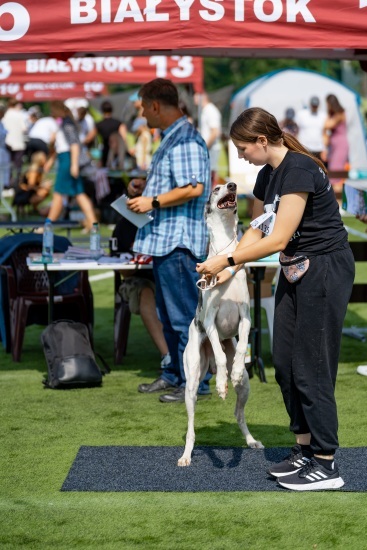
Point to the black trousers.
(308, 325)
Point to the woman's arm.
(74, 159)
(333, 121)
(252, 247)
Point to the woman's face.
(252, 152)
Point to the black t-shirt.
(321, 229)
(107, 126)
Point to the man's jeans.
(177, 297)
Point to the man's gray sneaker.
(157, 385)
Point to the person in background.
(177, 189)
(33, 114)
(288, 124)
(40, 135)
(143, 144)
(117, 159)
(86, 126)
(33, 189)
(313, 291)
(4, 153)
(68, 182)
(310, 122)
(336, 141)
(108, 126)
(210, 127)
(138, 288)
(15, 125)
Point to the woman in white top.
(68, 181)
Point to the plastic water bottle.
(358, 174)
(48, 242)
(95, 238)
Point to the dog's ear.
(207, 208)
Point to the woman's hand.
(223, 276)
(213, 265)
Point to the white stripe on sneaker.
(316, 475)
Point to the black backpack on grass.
(70, 358)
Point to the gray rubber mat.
(114, 469)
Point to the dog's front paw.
(184, 461)
(222, 390)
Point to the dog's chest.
(226, 303)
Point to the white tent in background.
(275, 92)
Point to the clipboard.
(139, 220)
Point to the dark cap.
(314, 101)
(290, 113)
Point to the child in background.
(33, 189)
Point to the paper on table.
(137, 219)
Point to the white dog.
(223, 312)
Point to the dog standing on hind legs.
(223, 312)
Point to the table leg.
(258, 276)
(51, 294)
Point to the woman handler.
(296, 210)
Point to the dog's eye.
(216, 190)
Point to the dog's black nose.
(231, 186)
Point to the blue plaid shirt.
(181, 159)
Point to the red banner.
(111, 69)
(45, 91)
(146, 26)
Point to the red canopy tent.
(46, 91)
(107, 69)
(263, 28)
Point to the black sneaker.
(291, 464)
(313, 477)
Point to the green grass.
(42, 430)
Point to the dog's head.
(223, 199)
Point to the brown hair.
(38, 157)
(333, 105)
(255, 122)
(59, 109)
(162, 90)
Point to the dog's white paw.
(184, 461)
(255, 445)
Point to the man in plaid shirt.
(176, 190)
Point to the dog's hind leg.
(193, 364)
(240, 378)
(242, 391)
(219, 354)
